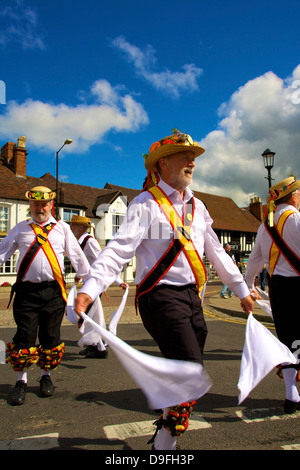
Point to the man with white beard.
(168, 230)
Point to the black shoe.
(83, 351)
(290, 407)
(46, 386)
(19, 392)
(94, 353)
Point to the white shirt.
(62, 240)
(146, 233)
(260, 253)
(92, 250)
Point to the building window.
(67, 214)
(4, 219)
(117, 220)
(9, 267)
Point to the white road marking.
(291, 447)
(264, 414)
(41, 442)
(146, 428)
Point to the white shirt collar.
(50, 220)
(80, 239)
(168, 190)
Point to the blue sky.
(117, 76)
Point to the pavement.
(213, 303)
(231, 306)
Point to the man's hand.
(82, 302)
(247, 304)
(123, 285)
(255, 295)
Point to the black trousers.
(38, 310)
(173, 316)
(284, 299)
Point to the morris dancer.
(168, 230)
(40, 294)
(278, 247)
(81, 227)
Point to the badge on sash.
(41, 239)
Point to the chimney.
(20, 156)
(256, 208)
(15, 156)
(7, 152)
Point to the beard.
(182, 180)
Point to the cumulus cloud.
(172, 83)
(263, 113)
(46, 125)
(19, 25)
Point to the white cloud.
(263, 113)
(172, 83)
(19, 25)
(46, 125)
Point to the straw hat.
(177, 142)
(277, 192)
(283, 188)
(80, 220)
(40, 193)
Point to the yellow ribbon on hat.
(271, 210)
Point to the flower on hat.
(178, 137)
(154, 146)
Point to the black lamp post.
(67, 142)
(268, 157)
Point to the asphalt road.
(97, 406)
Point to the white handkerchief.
(262, 352)
(165, 382)
(264, 295)
(116, 315)
(70, 314)
(264, 303)
(89, 335)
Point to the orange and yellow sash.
(182, 242)
(274, 250)
(42, 238)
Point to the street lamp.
(268, 157)
(67, 142)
